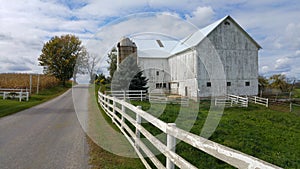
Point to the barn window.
(158, 85)
(164, 85)
(227, 23)
(208, 84)
(247, 83)
(228, 83)
(161, 85)
(157, 73)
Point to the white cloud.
(202, 16)
(282, 63)
(26, 25)
(265, 69)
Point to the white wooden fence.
(232, 100)
(116, 109)
(15, 93)
(259, 100)
(129, 94)
(162, 98)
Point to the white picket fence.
(15, 93)
(129, 94)
(116, 109)
(259, 100)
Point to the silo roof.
(126, 42)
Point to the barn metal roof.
(153, 48)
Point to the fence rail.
(116, 109)
(129, 94)
(232, 100)
(259, 100)
(162, 98)
(14, 93)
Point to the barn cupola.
(126, 47)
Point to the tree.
(263, 83)
(138, 82)
(112, 61)
(59, 56)
(279, 81)
(81, 65)
(101, 79)
(129, 76)
(92, 61)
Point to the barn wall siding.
(151, 66)
(239, 58)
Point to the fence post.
(255, 99)
(27, 96)
(141, 95)
(171, 146)
(267, 105)
(137, 132)
(124, 95)
(114, 110)
(20, 95)
(122, 117)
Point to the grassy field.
(296, 93)
(270, 135)
(10, 106)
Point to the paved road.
(46, 136)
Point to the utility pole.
(30, 83)
(38, 84)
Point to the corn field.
(22, 81)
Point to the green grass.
(272, 136)
(11, 106)
(296, 93)
(102, 159)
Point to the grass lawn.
(296, 93)
(11, 106)
(272, 136)
(100, 158)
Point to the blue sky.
(26, 25)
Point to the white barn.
(190, 67)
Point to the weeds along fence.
(118, 110)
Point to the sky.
(25, 25)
